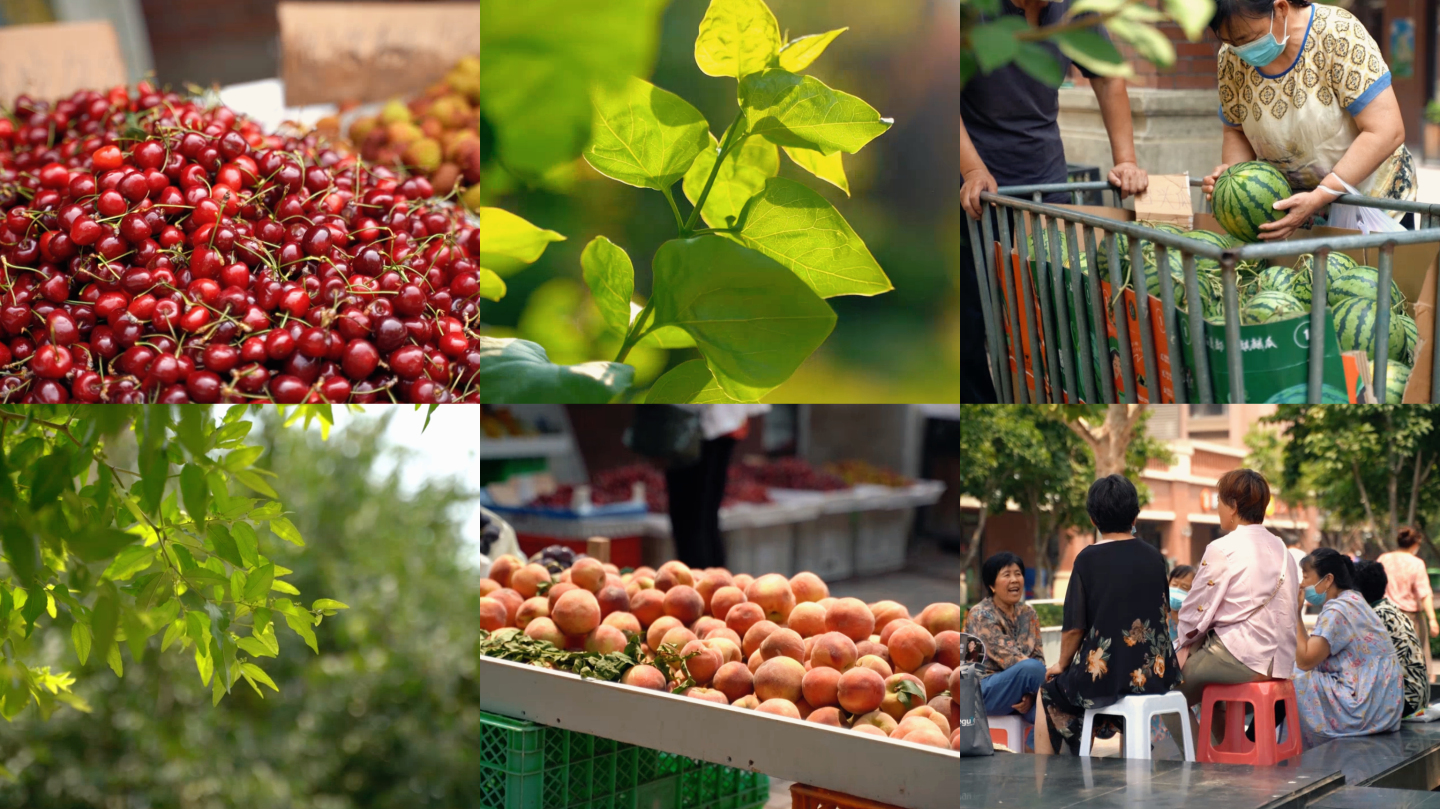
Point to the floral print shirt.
(1007, 641)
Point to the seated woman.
(1236, 624)
(1114, 642)
(1014, 664)
(1181, 578)
(1371, 581)
(1348, 683)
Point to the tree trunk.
(1110, 441)
(1364, 495)
(976, 537)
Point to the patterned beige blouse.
(1302, 120)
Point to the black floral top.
(1007, 641)
(1120, 598)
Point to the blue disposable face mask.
(1177, 597)
(1264, 50)
(1314, 597)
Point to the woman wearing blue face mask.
(1348, 682)
(1305, 88)
(1181, 578)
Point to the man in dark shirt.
(1009, 136)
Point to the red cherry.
(86, 231)
(51, 362)
(148, 155)
(111, 203)
(279, 345)
(107, 157)
(221, 358)
(61, 328)
(360, 359)
(288, 389)
(314, 342)
(408, 362)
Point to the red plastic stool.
(1235, 748)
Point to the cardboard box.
(333, 52)
(53, 60)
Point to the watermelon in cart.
(1244, 198)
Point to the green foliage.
(1049, 614)
(384, 717)
(92, 543)
(748, 290)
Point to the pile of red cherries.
(155, 249)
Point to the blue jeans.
(1003, 689)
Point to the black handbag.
(666, 433)
(974, 725)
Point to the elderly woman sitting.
(1371, 581)
(1014, 664)
(1348, 682)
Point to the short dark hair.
(1330, 562)
(1247, 491)
(1180, 572)
(1409, 536)
(1113, 504)
(1370, 580)
(1250, 9)
(990, 571)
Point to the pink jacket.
(1232, 594)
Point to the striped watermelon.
(1285, 279)
(1063, 242)
(1265, 307)
(1102, 256)
(1355, 329)
(1299, 394)
(1361, 282)
(1244, 198)
(1396, 375)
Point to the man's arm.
(974, 176)
(1114, 102)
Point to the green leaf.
(246, 542)
(508, 242)
(104, 486)
(282, 586)
(254, 481)
(688, 382)
(1191, 15)
(152, 482)
(254, 672)
(174, 632)
(104, 619)
(1040, 64)
(81, 637)
(802, 230)
(671, 337)
(254, 647)
(800, 52)
(242, 457)
(611, 278)
(287, 531)
(737, 38)
(191, 431)
(302, 627)
(1093, 52)
(230, 435)
(224, 544)
(791, 110)
(194, 491)
(1144, 37)
(97, 543)
(741, 177)
(328, 604)
(644, 136)
(516, 371)
(995, 43)
(130, 561)
(830, 168)
(492, 286)
(1096, 6)
(22, 550)
(753, 320)
(541, 57)
(257, 584)
(52, 476)
(113, 658)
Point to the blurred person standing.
(1409, 586)
(697, 490)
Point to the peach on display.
(940, 617)
(743, 616)
(553, 594)
(851, 618)
(488, 586)
(936, 677)
(684, 603)
(707, 694)
(911, 647)
(903, 692)
(612, 599)
(492, 614)
(742, 580)
(526, 580)
(533, 608)
(870, 647)
(821, 687)
(673, 573)
(877, 719)
(941, 706)
(711, 582)
(754, 661)
(504, 567)
(623, 621)
(875, 664)
(706, 625)
(749, 702)
(860, 690)
(891, 627)
(871, 730)
(833, 650)
(734, 680)
(808, 587)
(779, 677)
(648, 606)
(947, 649)
(605, 639)
(644, 677)
(783, 642)
(772, 592)
(728, 649)
(925, 712)
(808, 619)
(677, 637)
(723, 599)
(925, 734)
(658, 629)
(825, 716)
(512, 601)
(779, 707)
(545, 629)
(887, 611)
(704, 664)
(756, 635)
(576, 612)
(804, 708)
(588, 573)
(725, 632)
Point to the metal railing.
(1074, 377)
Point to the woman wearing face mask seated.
(1371, 580)
(1181, 578)
(1348, 679)
(1014, 664)
(1304, 87)
(1236, 623)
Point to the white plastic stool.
(1137, 711)
(1013, 726)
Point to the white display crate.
(825, 546)
(880, 540)
(760, 550)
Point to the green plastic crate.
(528, 766)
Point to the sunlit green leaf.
(287, 531)
(194, 491)
(130, 561)
(688, 382)
(737, 38)
(792, 110)
(798, 53)
(97, 543)
(514, 371)
(302, 627)
(80, 636)
(830, 168)
(257, 585)
(741, 177)
(328, 604)
(611, 278)
(644, 136)
(104, 620)
(254, 482)
(52, 475)
(246, 542)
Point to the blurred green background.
(902, 346)
(386, 716)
